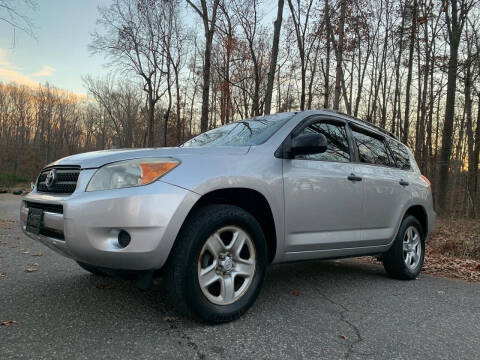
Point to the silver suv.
(211, 214)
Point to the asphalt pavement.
(52, 309)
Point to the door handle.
(354, 177)
(404, 183)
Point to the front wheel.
(404, 259)
(217, 266)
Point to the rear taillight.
(424, 178)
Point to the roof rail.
(363, 122)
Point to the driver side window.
(337, 142)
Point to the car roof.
(361, 122)
(349, 118)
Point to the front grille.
(46, 226)
(65, 179)
(54, 208)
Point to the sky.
(59, 52)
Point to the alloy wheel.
(412, 247)
(226, 265)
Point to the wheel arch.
(250, 200)
(419, 212)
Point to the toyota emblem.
(50, 179)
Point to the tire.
(404, 259)
(197, 253)
(92, 269)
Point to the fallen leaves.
(7, 224)
(453, 250)
(343, 337)
(8, 322)
(3, 275)
(37, 254)
(447, 266)
(169, 319)
(32, 268)
(458, 238)
(294, 292)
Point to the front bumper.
(84, 226)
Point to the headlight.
(130, 173)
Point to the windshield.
(248, 132)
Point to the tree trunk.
(406, 126)
(469, 129)
(447, 136)
(277, 25)
(256, 92)
(476, 151)
(326, 100)
(151, 121)
(397, 95)
(206, 81)
(339, 56)
(455, 22)
(177, 115)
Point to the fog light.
(123, 238)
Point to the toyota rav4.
(211, 214)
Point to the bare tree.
(301, 18)
(176, 40)
(132, 39)
(209, 21)
(227, 47)
(338, 46)
(456, 12)
(121, 102)
(248, 18)
(11, 12)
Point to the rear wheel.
(217, 266)
(404, 259)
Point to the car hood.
(96, 159)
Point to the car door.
(385, 197)
(322, 206)
(406, 167)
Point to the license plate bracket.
(34, 220)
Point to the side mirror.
(309, 144)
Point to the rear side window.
(337, 143)
(371, 150)
(400, 153)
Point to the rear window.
(400, 153)
(371, 150)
